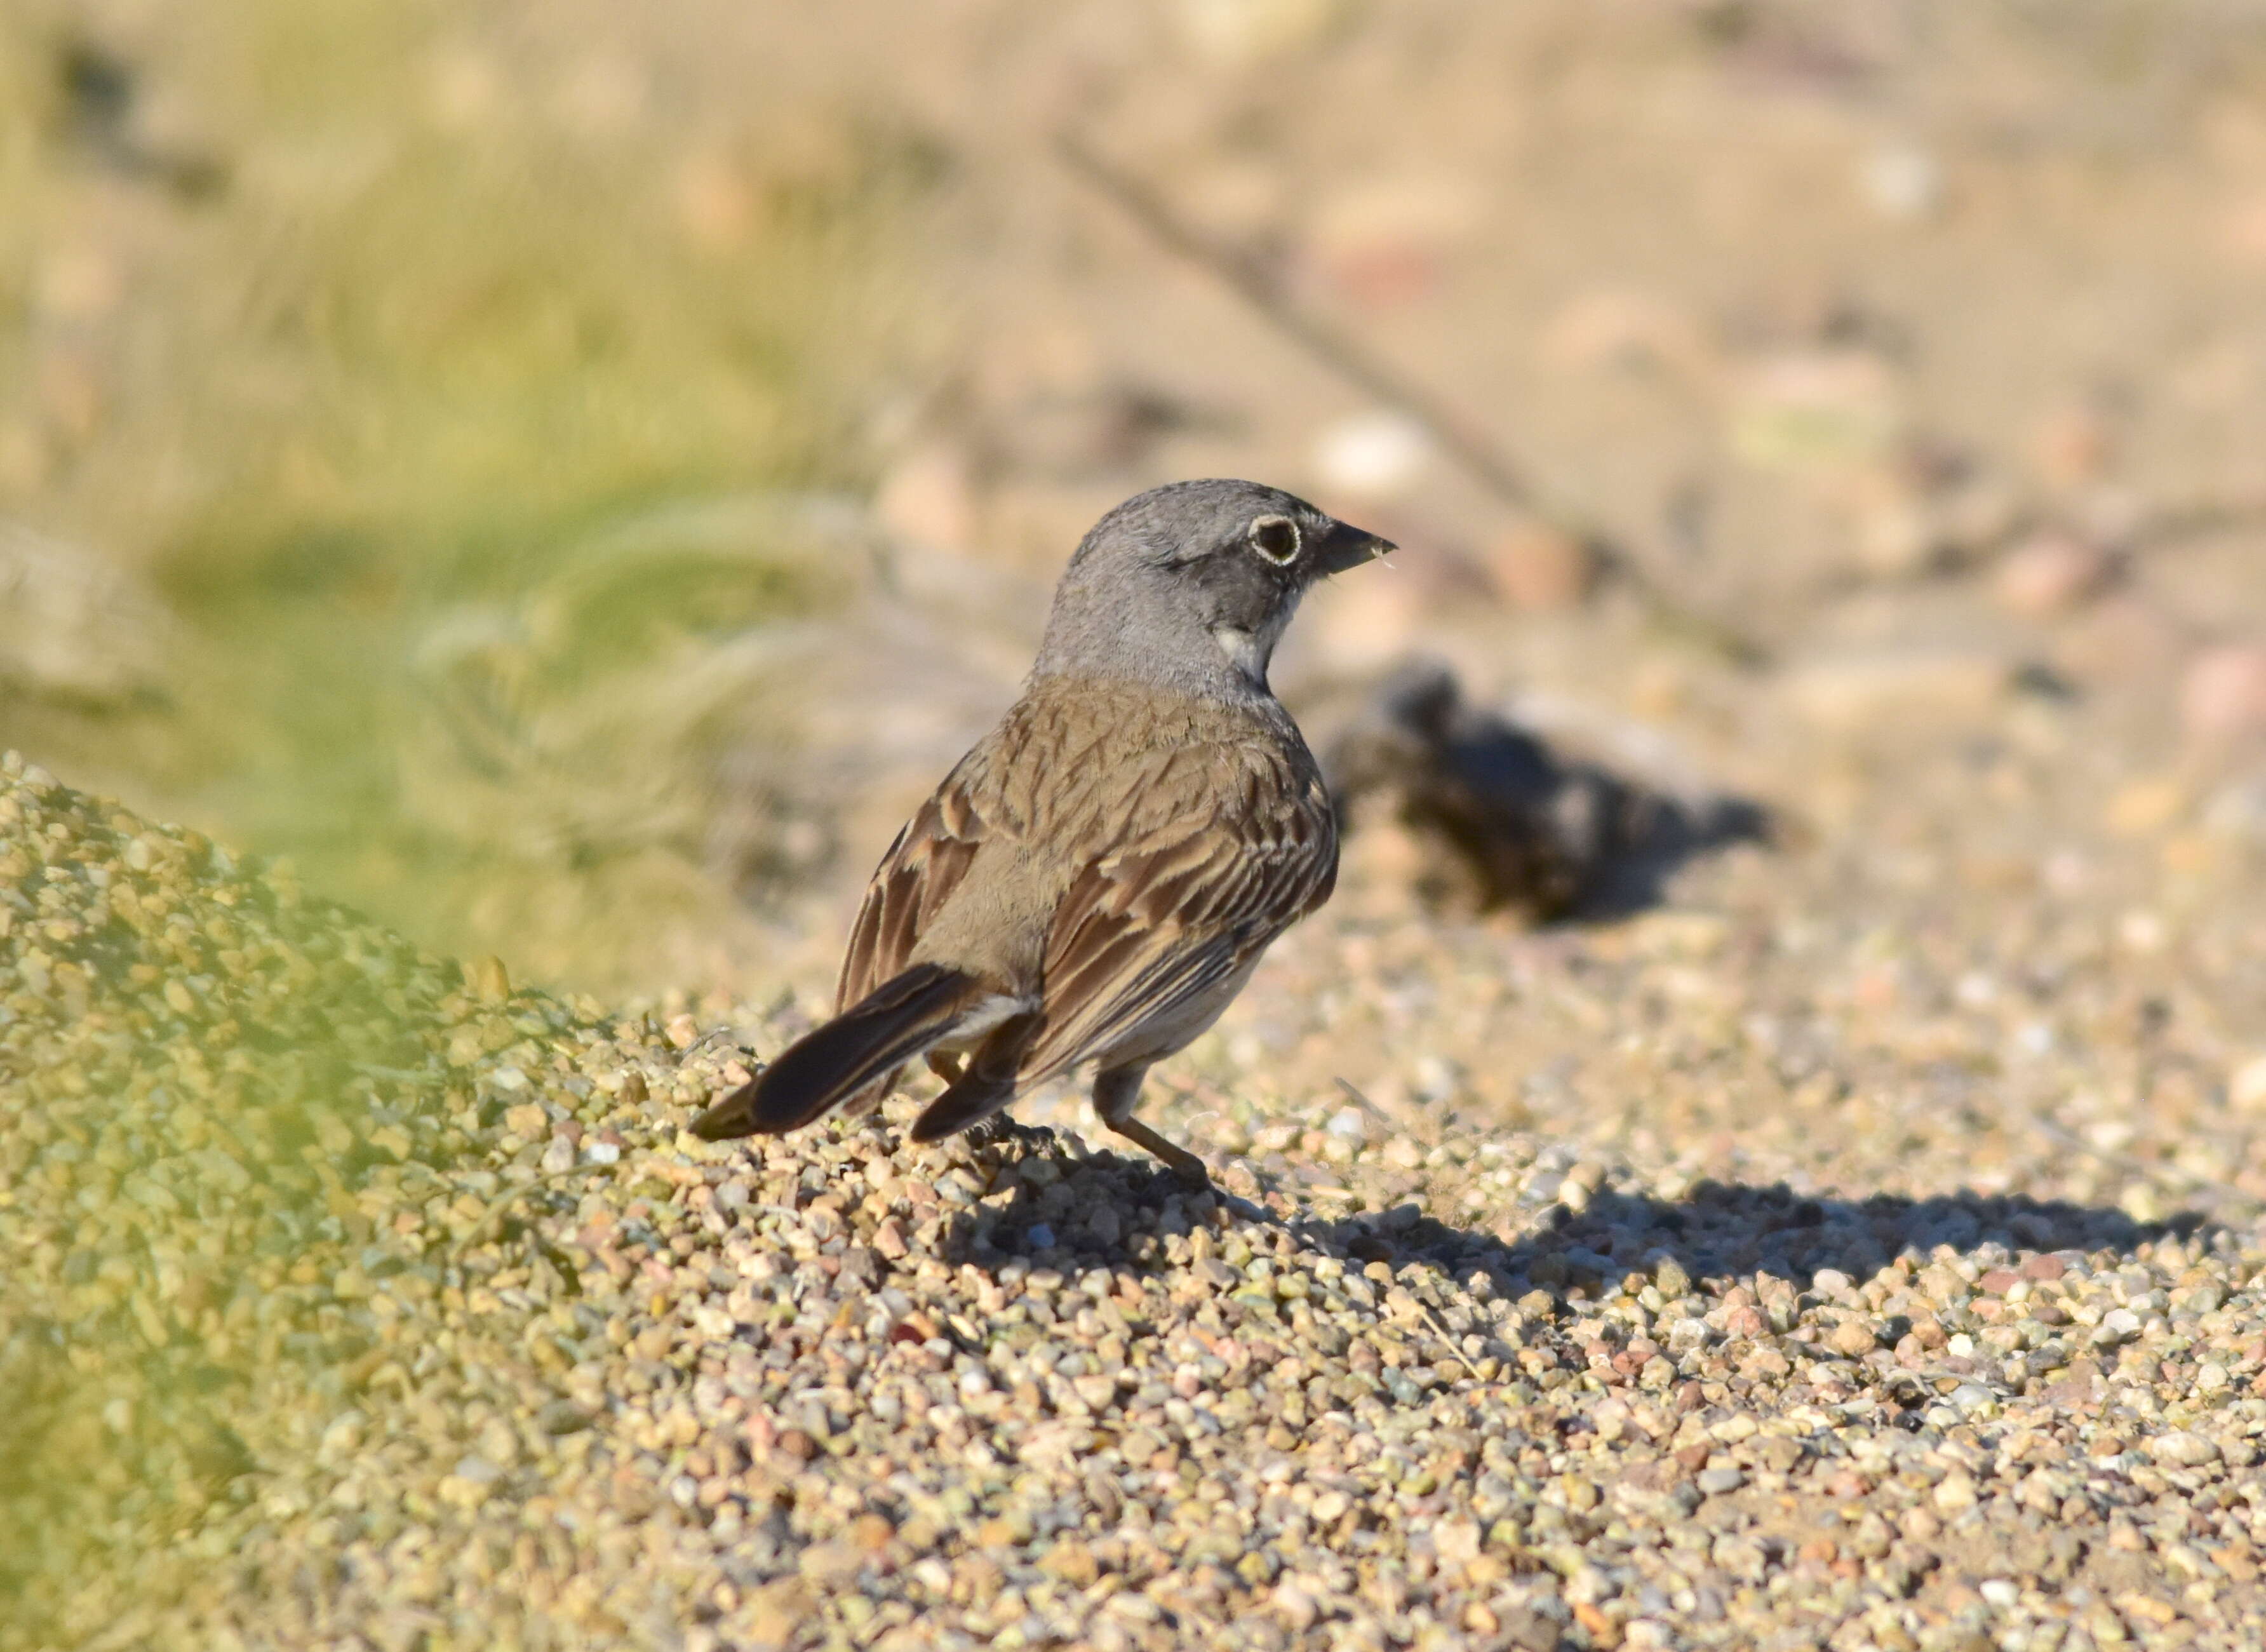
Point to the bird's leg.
(1182, 1163)
(998, 1127)
(1116, 1089)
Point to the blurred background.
(570, 476)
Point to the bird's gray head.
(1190, 586)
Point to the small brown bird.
(1094, 881)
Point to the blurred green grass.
(224, 1108)
(336, 320)
(346, 329)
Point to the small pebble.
(2246, 1089)
(1374, 455)
(1902, 180)
(1538, 566)
(2223, 694)
(2050, 573)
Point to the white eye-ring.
(1275, 539)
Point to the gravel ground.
(1849, 1239)
(359, 1299)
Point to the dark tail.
(897, 1021)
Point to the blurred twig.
(1414, 1124)
(2165, 1175)
(1253, 281)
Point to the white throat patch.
(1247, 651)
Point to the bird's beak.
(1346, 547)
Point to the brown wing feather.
(922, 868)
(1181, 904)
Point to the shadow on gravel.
(1112, 1212)
(1723, 1232)
(1508, 821)
(1659, 836)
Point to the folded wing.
(931, 856)
(1183, 901)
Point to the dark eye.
(1275, 539)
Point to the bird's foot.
(1000, 1128)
